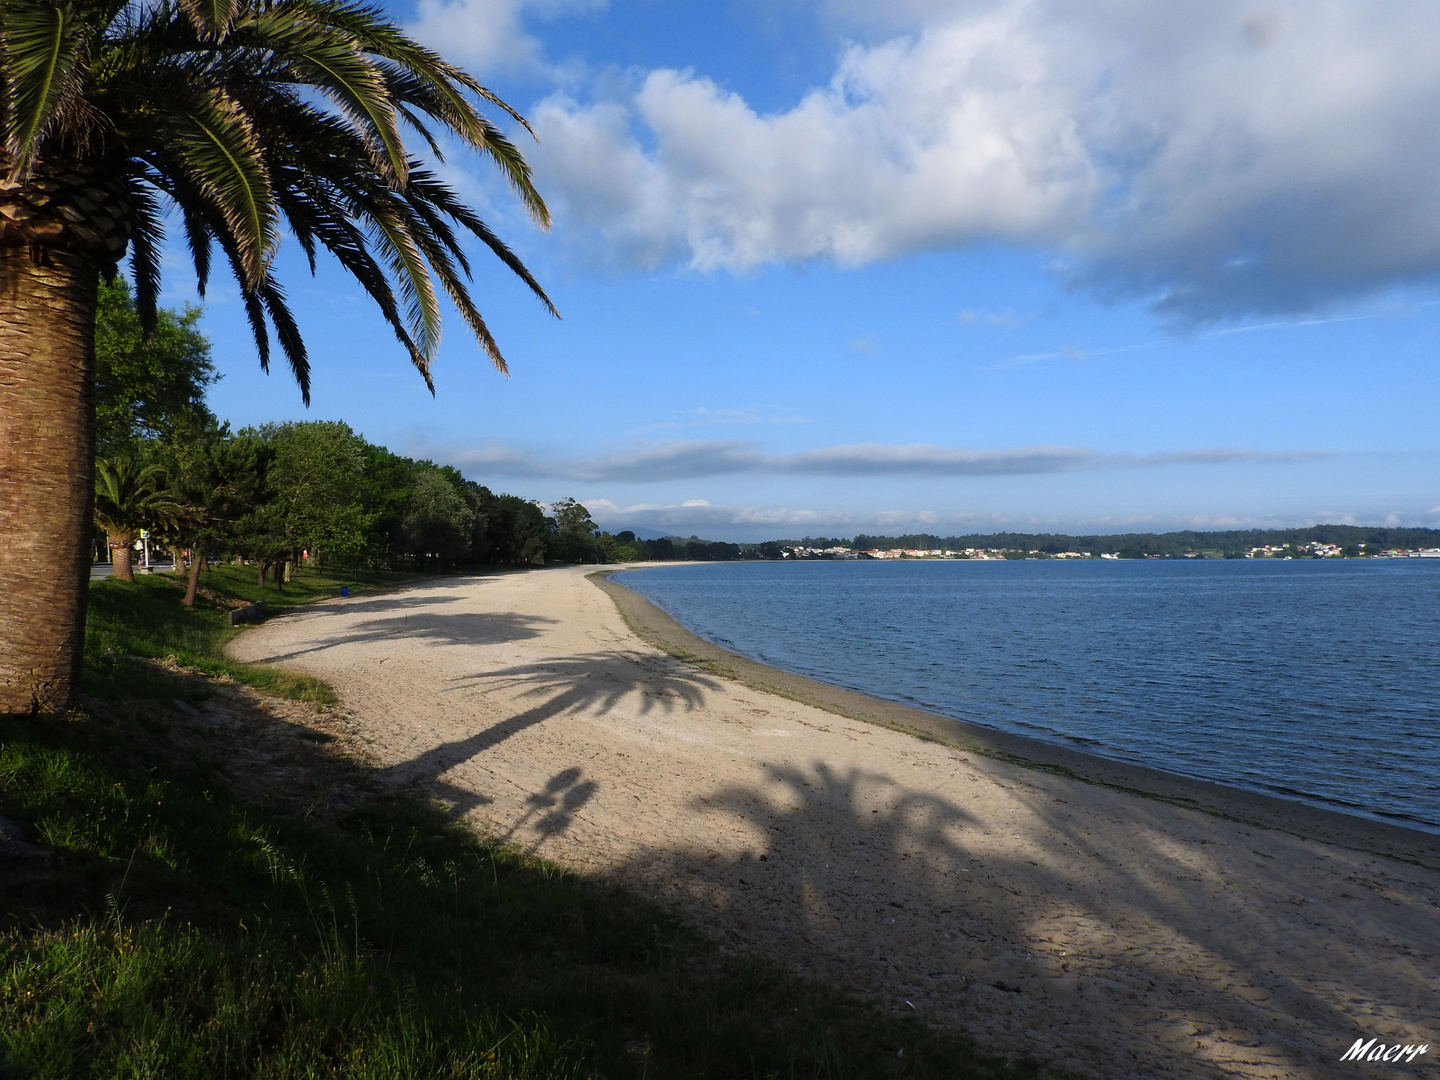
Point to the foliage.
(573, 538)
(248, 116)
(319, 477)
(438, 524)
(129, 499)
(516, 530)
(216, 480)
(318, 492)
(147, 387)
(626, 547)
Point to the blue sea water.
(1313, 680)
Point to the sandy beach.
(1095, 916)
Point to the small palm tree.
(237, 117)
(128, 500)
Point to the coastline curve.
(661, 630)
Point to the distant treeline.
(675, 548)
(1233, 544)
(1353, 539)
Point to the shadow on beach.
(1089, 939)
(593, 684)
(426, 627)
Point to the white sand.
(1114, 935)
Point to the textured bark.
(76, 206)
(122, 554)
(47, 424)
(192, 584)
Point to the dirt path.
(1114, 935)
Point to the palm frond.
(399, 248)
(424, 185)
(315, 215)
(218, 151)
(129, 497)
(335, 65)
(287, 333)
(42, 49)
(197, 238)
(147, 234)
(246, 116)
(210, 18)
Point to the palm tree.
(234, 118)
(129, 499)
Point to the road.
(103, 570)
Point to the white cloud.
(696, 459)
(1231, 156)
(753, 523)
(759, 521)
(489, 35)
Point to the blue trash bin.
(344, 590)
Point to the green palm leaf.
(130, 497)
(41, 48)
(218, 105)
(218, 151)
(210, 18)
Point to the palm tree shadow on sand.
(569, 687)
(858, 878)
(424, 626)
(1070, 947)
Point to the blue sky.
(963, 266)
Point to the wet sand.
(1117, 921)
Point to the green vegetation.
(147, 387)
(130, 624)
(201, 917)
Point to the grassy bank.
(145, 621)
(226, 896)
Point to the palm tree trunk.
(47, 433)
(122, 551)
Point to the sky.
(952, 266)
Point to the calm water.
(1314, 680)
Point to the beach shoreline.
(658, 627)
(1060, 920)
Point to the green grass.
(144, 619)
(187, 926)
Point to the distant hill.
(1231, 544)
(1135, 545)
